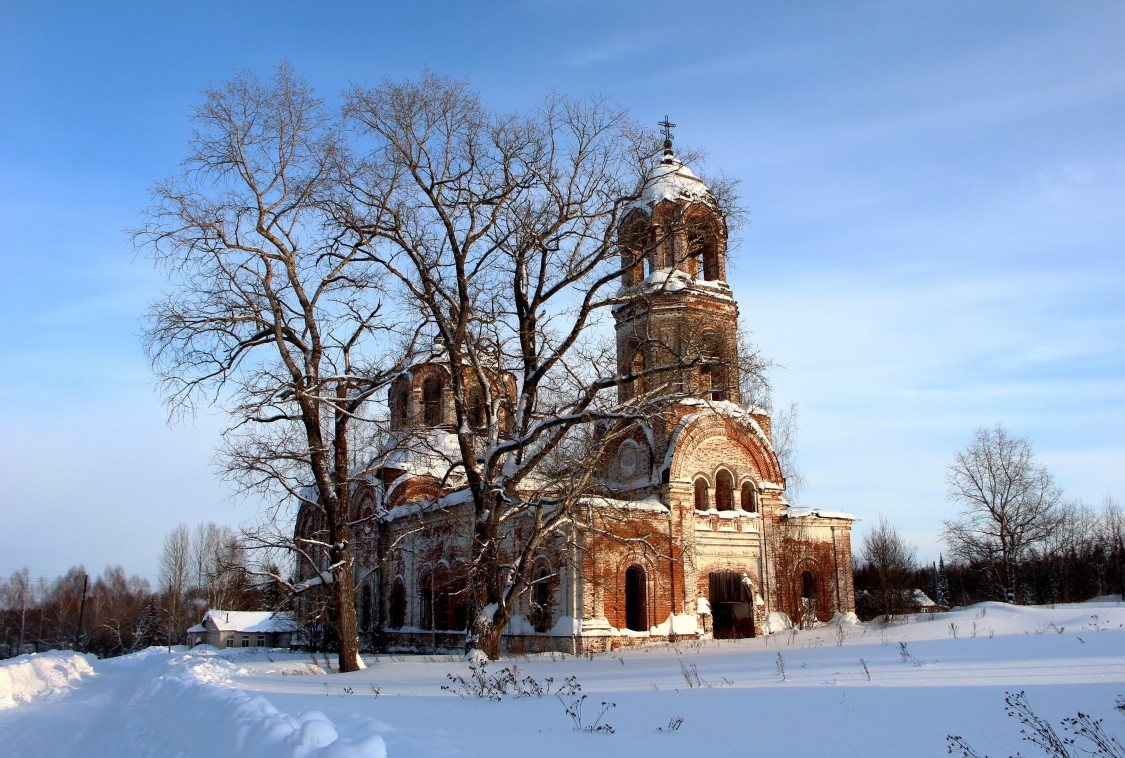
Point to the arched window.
(441, 598)
(365, 609)
(426, 600)
(398, 405)
(712, 372)
(397, 611)
(703, 250)
(808, 585)
(458, 586)
(636, 604)
(541, 600)
(634, 233)
(431, 401)
(475, 410)
(701, 495)
(749, 498)
(724, 491)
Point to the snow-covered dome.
(672, 180)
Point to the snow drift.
(29, 677)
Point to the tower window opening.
(398, 406)
(637, 368)
(431, 401)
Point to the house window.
(230, 642)
(636, 606)
(701, 495)
(724, 491)
(246, 640)
(261, 640)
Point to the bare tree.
(271, 314)
(1112, 536)
(17, 600)
(1006, 501)
(175, 560)
(501, 232)
(784, 436)
(888, 561)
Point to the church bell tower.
(679, 311)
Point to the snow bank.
(227, 721)
(776, 622)
(28, 677)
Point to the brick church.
(688, 533)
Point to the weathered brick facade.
(692, 534)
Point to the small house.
(244, 629)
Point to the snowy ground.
(862, 690)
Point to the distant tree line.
(1014, 538)
(200, 569)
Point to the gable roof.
(246, 621)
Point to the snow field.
(844, 689)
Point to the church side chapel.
(687, 532)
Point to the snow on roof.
(666, 280)
(721, 407)
(247, 621)
(429, 451)
(922, 600)
(802, 512)
(672, 180)
(651, 504)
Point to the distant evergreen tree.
(150, 630)
(941, 588)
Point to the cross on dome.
(667, 127)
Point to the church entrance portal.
(732, 608)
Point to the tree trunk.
(485, 635)
(347, 630)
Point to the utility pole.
(81, 611)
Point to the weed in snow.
(1088, 737)
(573, 707)
(674, 725)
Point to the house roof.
(246, 621)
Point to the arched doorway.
(636, 603)
(808, 599)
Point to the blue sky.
(937, 237)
